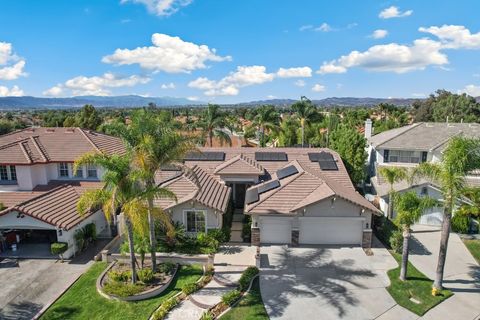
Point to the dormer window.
(92, 172)
(8, 173)
(63, 170)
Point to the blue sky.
(232, 51)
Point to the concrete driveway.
(327, 283)
(462, 273)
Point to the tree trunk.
(262, 137)
(153, 239)
(131, 248)
(303, 132)
(442, 254)
(210, 138)
(404, 266)
(390, 205)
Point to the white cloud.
(300, 72)
(15, 91)
(454, 37)
(394, 12)
(229, 86)
(168, 54)
(324, 27)
(391, 57)
(472, 90)
(271, 97)
(305, 27)
(300, 83)
(162, 7)
(97, 85)
(379, 34)
(170, 85)
(55, 91)
(318, 88)
(11, 66)
(193, 98)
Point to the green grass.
(250, 307)
(417, 286)
(82, 301)
(474, 247)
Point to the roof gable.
(240, 164)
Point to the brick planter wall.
(367, 239)
(255, 236)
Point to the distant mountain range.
(132, 101)
(129, 101)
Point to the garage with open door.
(275, 230)
(330, 230)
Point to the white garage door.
(321, 230)
(275, 230)
(432, 217)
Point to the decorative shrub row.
(247, 277)
(121, 289)
(165, 308)
(230, 297)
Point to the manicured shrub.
(396, 241)
(59, 248)
(166, 267)
(145, 275)
(207, 316)
(119, 276)
(219, 234)
(166, 306)
(460, 223)
(230, 297)
(384, 229)
(121, 289)
(246, 277)
(189, 288)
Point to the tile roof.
(423, 136)
(55, 203)
(43, 145)
(197, 185)
(240, 164)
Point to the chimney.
(368, 128)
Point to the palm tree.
(212, 122)
(120, 190)
(266, 118)
(461, 156)
(306, 113)
(392, 175)
(409, 207)
(154, 145)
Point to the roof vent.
(50, 130)
(70, 130)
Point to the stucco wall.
(214, 219)
(10, 221)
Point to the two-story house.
(39, 190)
(407, 147)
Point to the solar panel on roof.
(205, 156)
(270, 156)
(319, 156)
(286, 172)
(251, 196)
(328, 165)
(268, 186)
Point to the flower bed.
(115, 282)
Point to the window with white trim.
(13, 173)
(3, 173)
(63, 170)
(404, 156)
(78, 172)
(91, 171)
(195, 220)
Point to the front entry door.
(240, 190)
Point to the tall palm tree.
(392, 175)
(306, 113)
(120, 190)
(154, 145)
(409, 207)
(212, 122)
(266, 118)
(461, 156)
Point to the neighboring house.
(294, 195)
(407, 147)
(40, 189)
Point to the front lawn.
(474, 247)
(417, 286)
(82, 301)
(250, 307)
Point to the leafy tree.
(266, 119)
(461, 156)
(409, 207)
(212, 122)
(351, 147)
(470, 209)
(306, 113)
(248, 133)
(88, 118)
(443, 104)
(392, 175)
